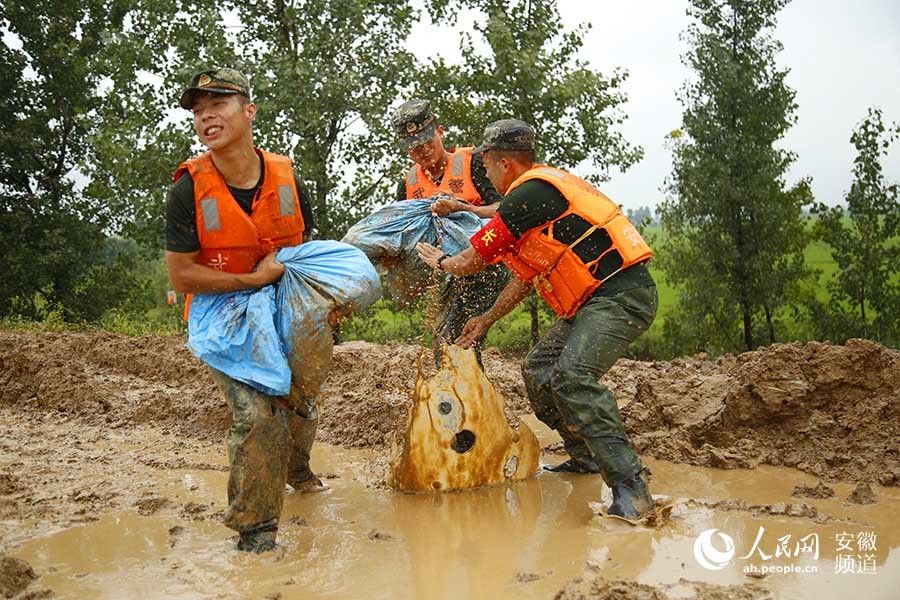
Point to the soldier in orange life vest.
(228, 212)
(556, 232)
(458, 178)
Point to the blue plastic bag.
(235, 333)
(389, 236)
(267, 337)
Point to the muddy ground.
(833, 411)
(67, 399)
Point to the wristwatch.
(441, 259)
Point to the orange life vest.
(230, 239)
(560, 276)
(457, 179)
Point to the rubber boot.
(631, 499)
(616, 458)
(581, 460)
(622, 471)
(260, 538)
(312, 485)
(575, 465)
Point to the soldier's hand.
(445, 206)
(429, 254)
(474, 331)
(269, 270)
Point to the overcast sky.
(843, 57)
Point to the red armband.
(493, 240)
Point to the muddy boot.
(631, 499)
(575, 465)
(260, 538)
(310, 485)
(581, 460)
(622, 471)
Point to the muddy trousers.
(463, 298)
(562, 375)
(268, 444)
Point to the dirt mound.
(595, 587)
(862, 494)
(828, 410)
(15, 576)
(112, 379)
(119, 380)
(819, 491)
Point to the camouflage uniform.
(268, 445)
(270, 437)
(562, 375)
(461, 297)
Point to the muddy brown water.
(522, 540)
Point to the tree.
(865, 294)
(52, 234)
(531, 71)
(86, 148)
(327, 72)
(141, 135)
(734, 232)
(323, 73)
(641, 216)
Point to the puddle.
(522, 540)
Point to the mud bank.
(592, 586)
(833, 411)
(19, 581)
(829, 410)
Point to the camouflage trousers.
(268, 444)
(463, 298)
(562, 375)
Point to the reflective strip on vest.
(286, 200)
(413, 177)
(211, 220)
(458, 165)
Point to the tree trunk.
(862, 309)
(769, 323)
(748, 321)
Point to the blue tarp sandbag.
(263, 337)
(389, 236)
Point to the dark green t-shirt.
(535, 203)
(181, 211)
(487, 191)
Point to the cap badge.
(204, 80)
(410, 127)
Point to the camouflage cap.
(507, 134)
(414, 123)
(216, 80)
